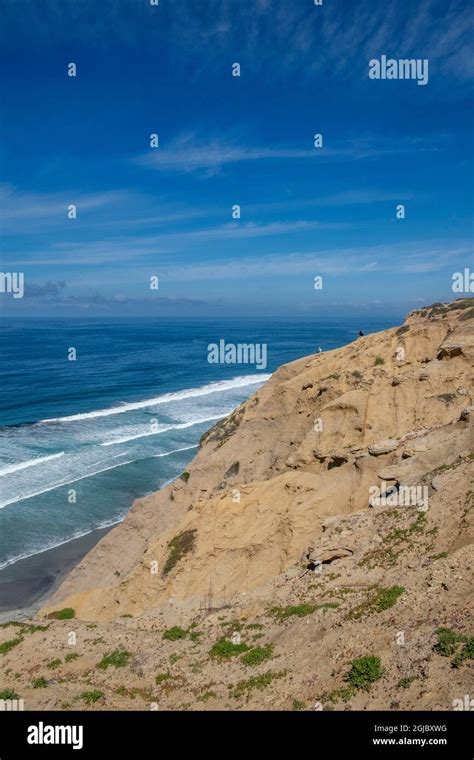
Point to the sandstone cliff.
(308, 445)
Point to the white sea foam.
(53, 486)
(77, 534)
(163, 429)
(29, 463)
(204, 390)
(175, 451)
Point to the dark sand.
(25, 585)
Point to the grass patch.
(8, 694)
(297, 705)
(257, 655)
(379, 360)
(119, 658)
(466, 653)
(387, 597)
(224, 649)
(39, 683)
(162, 677)
(243, 688)
(175, 633)
(67, 613)
(71, 656)
(364, 672)
(207, 695)
(379, 599)
(344, 694)
(53, 664)
(185, 476)
(456, 645)
(178, 547)
(91, 696)
(7, 646)
(441, 555)
(300, 610)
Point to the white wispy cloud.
(187, 153)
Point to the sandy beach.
(25, 585)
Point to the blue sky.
(305, 212)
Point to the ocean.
(80, 440)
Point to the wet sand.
(25, 585)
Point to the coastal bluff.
(384, 411)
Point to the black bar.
(445, 734)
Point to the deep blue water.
(125, 417)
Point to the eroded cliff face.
(313, 443)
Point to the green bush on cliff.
(65, 614)
(178, 547)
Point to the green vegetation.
(364, 672)
(344, 694)
(8, 694)
(175, 633)
(257, 682)
(119, 658)
(404, 683)
(441, 555)
(378, 600)
(387, 597)
(394, 543)
(258, 655)
(65, 614)
(466, 653)
(207, 695)
(357, 374)
(449, 644)
(178, 547)
(297, 705)
(53, 664)
(39, 683)
(71, 656)
(224, 649)
(10, 644)
(402, 329)
(91, 696)
(379, 360)
(185, 476)
(301, 610)
(162, 677)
